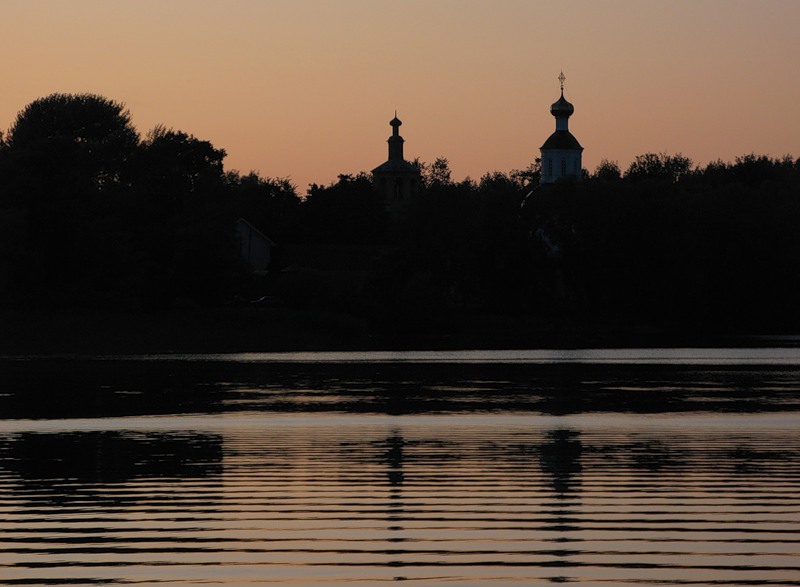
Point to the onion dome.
(395, 122)
(562, 108)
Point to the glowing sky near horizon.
(305, 88)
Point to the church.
(396, 180)
(561, 152)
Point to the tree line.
(93, 214)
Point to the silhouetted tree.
(607, 171)
(528, 178)
(659, 166)
(271, 204)
(710, 253)
(436, 173)
(66, 157)
(346, 211)
(185, 235)
(67, 146)
(181, 171)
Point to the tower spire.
(395, 141)
(561, 152)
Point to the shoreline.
(236, 330)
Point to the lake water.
(636, 467)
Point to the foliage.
(90, 215)
(269, 203)
(436, 173)
(528, 178)
(177, 171)
(607, 171)
(65, 159)
(659, 166)
(67, 145)
(715, 253)
(102, 213)
(345, 211)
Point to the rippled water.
(243, 471)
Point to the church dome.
(562, 107)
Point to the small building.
(396, 180)
(256, 247)
(561, 152)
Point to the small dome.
(562, 107)
(395, 121)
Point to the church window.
(563, 167)
(549, 167)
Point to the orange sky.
(305, 88)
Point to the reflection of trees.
(651, 455)
(550, 389)
(86, 388)
(74, 460)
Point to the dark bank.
(113, 241)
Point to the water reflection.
(430, 474)
(454, 500)
(393, 457)
(560, 457)
(48, 388)
(110, 456)
(60, 388)
(560, 460)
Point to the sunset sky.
(305, 89)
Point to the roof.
(562, 139)
(561, 107)
(253, 229)
(395, 167)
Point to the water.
(674, 467)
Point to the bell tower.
(561, 152)
(396, 180)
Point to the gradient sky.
(305, 88)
